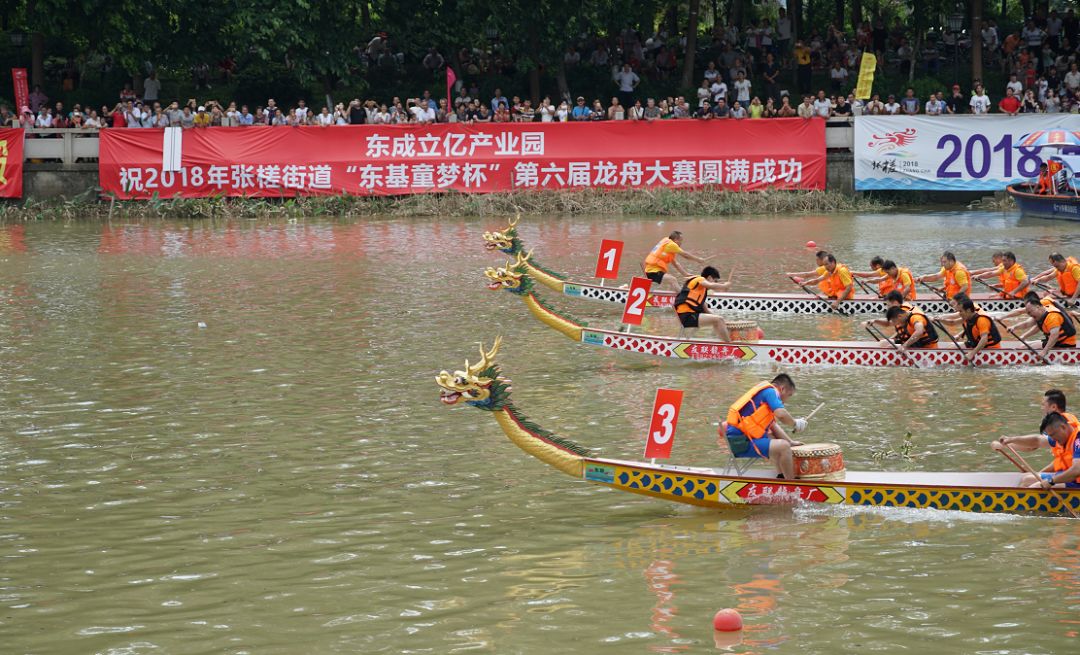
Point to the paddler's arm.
(843, 294)
(1051, 339)
(949, 319)
(814, 280)
(878, 322)
(916, 334)
(984, 273)
(866, 273)
(1025, 443)
(1019, 291)
(930, 278)
(1045, 275)
(679, 268)
(716, 286)
(803, 274)
(688, 255)
(1068, 475)
(983, 340)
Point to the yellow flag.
(866, 76)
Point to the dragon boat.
(515, 279)
(508, 242)
(482, 385)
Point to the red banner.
(477, 158)
(11, 163)
(22, 89)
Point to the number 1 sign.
(634, 309)
(665, 416)
(607, 263)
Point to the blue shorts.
(1049, 476)
(761, 443)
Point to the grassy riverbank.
(660, 202)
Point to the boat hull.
(1058, 207)
(713, 488)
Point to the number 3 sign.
(665, 416)
(607, 263)
(634, 309)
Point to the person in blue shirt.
(753, 427)
(582, 111)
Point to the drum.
(744, 330)
(819, 461)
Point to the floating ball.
(659, 223)
(727, 620)
(811, 244)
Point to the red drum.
(819, 461)
(744, 330)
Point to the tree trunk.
(915, 50)
(738, 12)
(37, 59)
(840, 14)
(560, 79)
(691, 44)
(534, 72)
(856, 14)
(365, 17)
(976, 40)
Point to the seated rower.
(1060, 436)
(980, 331)
(818, 273)
(841, 286)
(690, 302)
(892, 299)
(664, 255)
(954, 318)
(874, 275)
(1066, 270)
(1053, 400)
(1056, 326)
(956, 276)
(896, 278)
(753, 425)
(913, 329)
(1014, 281)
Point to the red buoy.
(727, 620)
(811, 244)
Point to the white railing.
(72, 146)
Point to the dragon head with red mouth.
(506, 240)
(510, 277)
(479, 385)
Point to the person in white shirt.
(892, 107)
(718, 90)
(325, 118)
(627, 80)
(737, 110)
(838, 74)
(980, 102)
(151, 89)
(822, 105)
(44, 118)
(1072, 79)
(742, 89)
(546, 110)
(711, 73)
(562, 114)
(301, 111)
(933, 107)
(1016, 85)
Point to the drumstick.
(811, 414)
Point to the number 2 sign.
(607, 263)
(634, 309)
(665, 416)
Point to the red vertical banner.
(11, 163)
(665, 418)
(607, 262)
(22, 89)
(634, 309)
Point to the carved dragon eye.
(460, 381)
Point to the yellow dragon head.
(510, 277)
(506, 240)
(478, 385)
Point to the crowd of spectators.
(749, 73)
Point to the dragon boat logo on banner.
(893, 155)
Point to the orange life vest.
(658, 258)
(972, 333)
(757, 423)
(1009, 281)
(1063, 453)
(1067, 333)
(836, 287)
(824, 284)
(929, 339)
(1071, 418)
(909, 291)
(1046, 183)
(1066, 280)
(952, 287)
(691, 298)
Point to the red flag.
(22, 93)
(450, 79)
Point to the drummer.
(956, 276)
(820, 272)
(753, 425)
(690, 302)
(1066, 270)
(663, 255)
(840, 285)
(1060, 436)
(913, 328)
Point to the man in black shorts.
(690, 302)
(662, 256)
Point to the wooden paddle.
(941, 326)
(876, 333)
(866, 287)
(1026, 344)
(988, 285)
(939, 292)
(1057, 298)
(823, 299)
(1053, 490)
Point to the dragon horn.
(517, 217)
(487, 357)
(521, 259)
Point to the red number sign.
(607, 263)
(634, 309)
(665, 416)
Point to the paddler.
(753, 425)
(892, 299)
(875, 275)
(980, 331)
(895, 278)
(913, 329)
(690, 302)
(956, 276)
(1057, 328)
(1060, 436)
(819, 273)
(1067, 272)
(837, 277)
(1014, 281)
(663, 255)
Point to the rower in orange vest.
(956, 276)
(1014, 282)
(690, 302)
(875, 275)
(1066, 270)
(896, 278)
(1058, 329)
(663, 256)
(980, 331)
(913, 328)
(753, 426)
(840, 285)
(819, 273)
(1059, 434)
